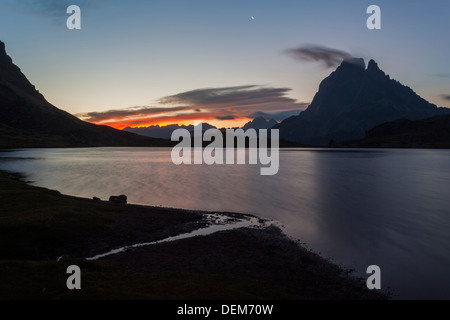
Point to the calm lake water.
(359, 207)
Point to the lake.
(358, 207)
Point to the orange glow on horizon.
(136, 123)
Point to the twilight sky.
(142, 62)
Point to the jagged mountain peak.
(352, 100)
(372, 64)
(374, 70)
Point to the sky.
(144, 62)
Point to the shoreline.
(261, 263)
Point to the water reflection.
(358, 207)
(385, 208)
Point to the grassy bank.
(38, 225)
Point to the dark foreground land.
(37, 226)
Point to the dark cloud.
(228, 103)
(225, 117)
(130, 112)
(173, 119)
(250, 97)
(445, 96)
(328, 57)
(208, 96)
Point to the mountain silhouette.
(259, 123)
(427, 133)
(352, 100)
(27, 119)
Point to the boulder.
(118, 199)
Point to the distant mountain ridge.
(27, 119)
(352, 100)
(164, 132)
(259, 123)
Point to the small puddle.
(217, 223)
